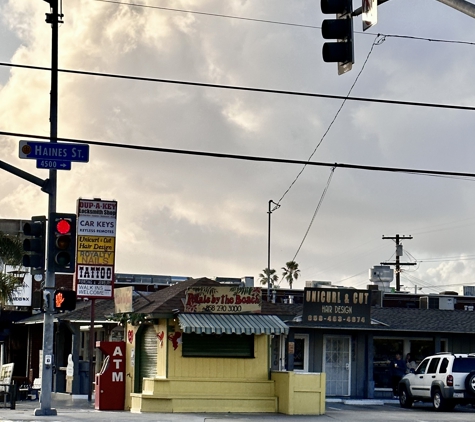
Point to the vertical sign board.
(96, 231)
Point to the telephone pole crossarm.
(400, 263)
(397, 263)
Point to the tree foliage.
(268, 275)
(291, 272)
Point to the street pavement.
(69, 410)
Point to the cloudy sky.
(201, 216)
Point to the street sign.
(54, 151)
(53, 164)
(370, 13)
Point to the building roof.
(408, 320)
(170, 301)
(425, 320)
(82, 313)
(162, 303)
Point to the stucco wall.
(215, 368)
(300, 393)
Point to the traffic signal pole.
(47, 362)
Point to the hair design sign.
(337, 307)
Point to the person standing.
(398, 370)
(410, 364)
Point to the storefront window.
(421, 348)
(224, 346)
(384, 351)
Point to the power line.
(220, 15)
(436, 173)
(410, 37)
(315, 212)
(216, 15)
(448, 259)
(329, 126)
(247, 89)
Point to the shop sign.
(96, 231)
(223, 300)
(21, 296)
(123, 300)
(337, 307)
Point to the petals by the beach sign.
(223, 300)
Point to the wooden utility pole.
(397, 263)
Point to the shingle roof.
(411, 320)
(167, 300)
(425, 320)
(82, 313)
(161, 302)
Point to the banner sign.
(21, 296)
(123, 300)
(336, 307)
(223, 300)
(96, 230)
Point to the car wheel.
(470, 382)
(438, 401)
(404, 400)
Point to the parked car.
(445, 379)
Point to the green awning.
(232, 324)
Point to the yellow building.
(199, 347)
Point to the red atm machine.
(110, 382)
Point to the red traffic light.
(62, 242)
(63, 226)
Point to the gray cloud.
(187, 215)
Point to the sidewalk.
(69, 410)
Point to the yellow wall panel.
(234, 368)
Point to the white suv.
(445, 379)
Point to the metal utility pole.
(398, 264)
(268, 245)
(461, 5)
(53, 18)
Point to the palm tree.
(268, 275)
(291, 272)
(11, 253)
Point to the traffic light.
(34, 244)
(64, 300)
(62, 242)
(340, 29)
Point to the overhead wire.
(330, 125)
(315, 212)
(216, 15)
(377, 41)
(274, 22)
(289, 24)
(463, 176)
(246, 89)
